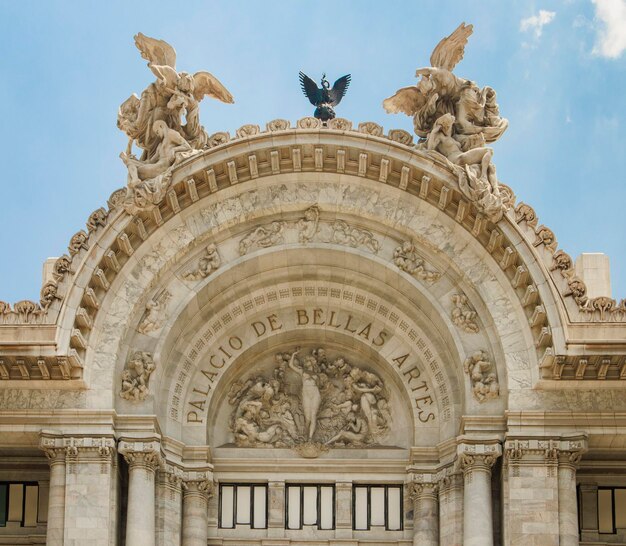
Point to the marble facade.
(317, 305)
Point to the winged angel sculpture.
(456, 119)
(164, 123)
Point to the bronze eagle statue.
(325, 98)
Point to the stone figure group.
(310, 399)
(482, 376)
(164, 123)
(456, 118)
(136, 376)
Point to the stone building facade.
(323, 334)
(158, 385)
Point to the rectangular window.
(243, 505)
(310, 505)
(19, 503)
(611, 509)
(377, 506)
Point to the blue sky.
(559, 69)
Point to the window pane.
(394, 511)
(360, 508)
(30, 511)
(260, 507)
(309, 516)
(605, 511)
(226, 506)
(16, 500)
(3, 504)
(243, 504)
(620, 508)
(327, 508)
(293, 500)
(378, 506)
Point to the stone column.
(169, 506)
(81, 478)
(425, 513)
(476, 462)
(197, 488)
(451, 510)
(569, 459)
(143, 459)
(56, 502)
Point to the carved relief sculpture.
(136, 376)
(262, 237)
(154, 123)
(482, 376)
(207, 264)
(154, 316)
(345, 234)
(407, 259)
(308, 226)
(463, 315)
(455, 118)
(330, 403)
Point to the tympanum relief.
(310, 400)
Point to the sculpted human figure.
(171, 143)
(311, 397)
(355, 432)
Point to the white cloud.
(612, 36)
(535, 23)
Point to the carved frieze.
(482, 374)
(262, 237)
(309, 224)
(407, 259)
(345, 234)
(206, 265)
(136, 376)
(310, 401)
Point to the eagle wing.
(339, 89)
(407, 100)
(310, 89)
(207, 84)
(155, 51)
(449, 51)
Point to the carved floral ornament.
(310, 402)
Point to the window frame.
(369, 487)
(235, 485)
(316, 525)
(24, 485)
(613, 518)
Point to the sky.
(559, 68)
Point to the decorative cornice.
(542, 451)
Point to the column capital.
(59, 448)
(559, 450)
(198, 482)
(478, 456)
(172, 476)
(141, 453)
(419, 491)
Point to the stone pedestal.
(451, 510)
(343, 521)
(425, 514)
(143, 460)
(476, 462)
(196, 492)
(276, 509)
